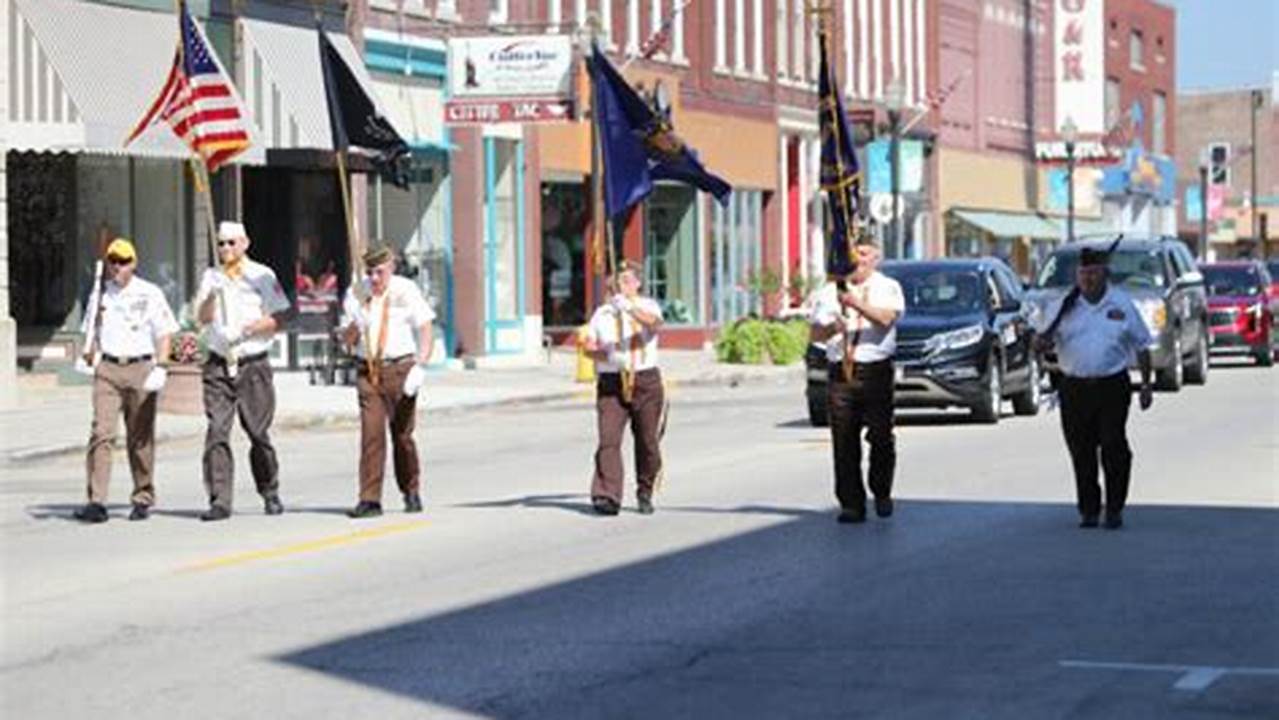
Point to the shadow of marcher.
(565, 501)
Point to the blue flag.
(639, 145)
(840, 176)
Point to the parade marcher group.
(1097, 330)
(856, 317)
(386, 326)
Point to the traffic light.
(1219, 164)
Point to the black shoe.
(1088, 521)
(92, 513)
(365, 509)
(273, 506)
(645, 506)
(848, 517)
(605, 505)
(1114, 521)
(884, 507)
(140, 512)
(215, 513)
(412, 503)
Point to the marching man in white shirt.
(857, 318)
(623, 342)
(127, 329)
(241, 306)
(380, 315)
(1098, 332)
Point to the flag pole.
(352, 239)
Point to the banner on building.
(911, 171)
(1079, 58)
(511, 66)
(1193, 203)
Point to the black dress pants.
(1094, 416)
(866, 402)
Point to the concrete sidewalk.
(54, 420)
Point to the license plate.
(817, 375)
(899, 373)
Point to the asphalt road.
(741, 597)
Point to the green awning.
(1006, 224)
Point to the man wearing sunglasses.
(241, 305)
(129, 325)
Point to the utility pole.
(1255, 101)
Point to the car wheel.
(1170, 378)
(1265, 358)
(817, 416)
(1197, 374)
(986, 410)
(1027, 401)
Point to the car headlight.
(1256, 310)
(1153, 313)
(954, 339)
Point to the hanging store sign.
(1087, 152)
(509, 66)
(484, 112)
(1079, 57)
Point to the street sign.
(1087, 152)
(483, 112)
(881, 206)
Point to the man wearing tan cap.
(380, 315)
(241, 306)
(127, 329)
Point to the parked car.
(1241, 315)
(1161, 277)
(963, 341)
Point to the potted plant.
(183, 394)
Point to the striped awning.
(1010, 224)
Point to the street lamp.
(895, 99)
(1070, 133)
(1205, 160)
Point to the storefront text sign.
(511, 66)
(483, 112)
(1079, 29)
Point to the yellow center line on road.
(299, 548)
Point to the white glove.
(213, 279)
(83, 367)
(621, 303)
(155, 379)
(413, 381)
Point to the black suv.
(964, 341)
(1166, 286)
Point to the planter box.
(183, 393)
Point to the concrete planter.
(183, 393)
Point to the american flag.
(937, 98)
(659, 39)
(198, 101)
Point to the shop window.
(671, 268)
(1158, 133)
(735, 256)
(1137, 50)
(564, 224)
(1112, 102)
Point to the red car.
(1241, 312)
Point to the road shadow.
(570, 502)
(949, 609)
(749, 510)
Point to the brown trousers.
(645, 415)
(116, 388)
(380, 406)
(252, 393)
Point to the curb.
(305, 421)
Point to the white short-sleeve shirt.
(874, 342)
(255, 294)
(133, 318)
(406, 310)
(635, 344)
(1097, 340)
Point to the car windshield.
(940, 292)
(1273, 267)
(1134, 268)
(1231, 280)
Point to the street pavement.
(741, 597)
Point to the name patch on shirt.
(1115, 314)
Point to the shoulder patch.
(1115, 314)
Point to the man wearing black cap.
(381, 314)
(1097, 331)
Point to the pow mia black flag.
(355, 121)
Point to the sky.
(1226, 43)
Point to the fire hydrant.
(585, 363)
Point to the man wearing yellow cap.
(127, 330)
(380, 316)
(241, 306)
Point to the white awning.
(85, 73)
(415, 106)
(283, 84)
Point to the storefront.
(71, 185)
